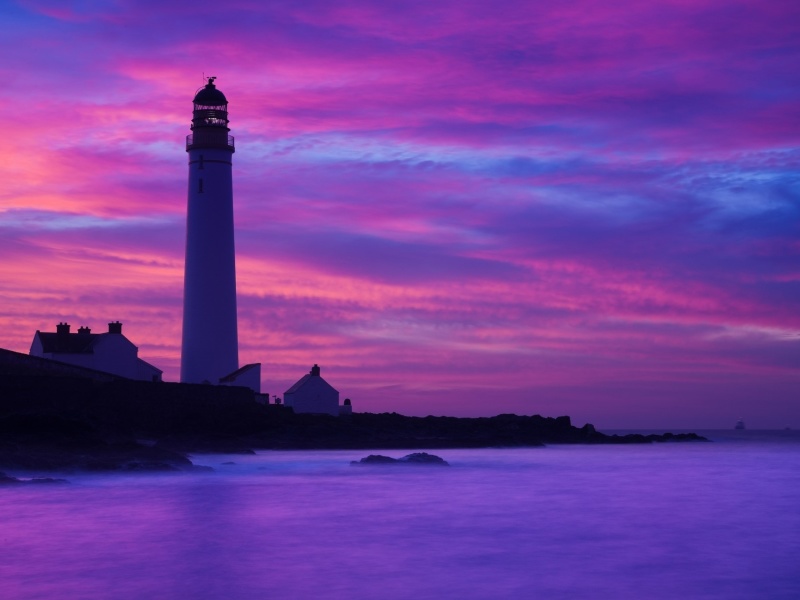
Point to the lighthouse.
(210, 347)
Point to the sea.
(717, 520)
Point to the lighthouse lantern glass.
(210, 115)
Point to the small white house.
(312, 394)
(110, 352)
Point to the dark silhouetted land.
(66, 423)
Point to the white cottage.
(110, 352)
(312, 394)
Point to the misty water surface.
(717, 520)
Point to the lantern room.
(210, 120)
(210, 107)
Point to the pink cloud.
(574, 208)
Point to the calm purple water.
(717, 520)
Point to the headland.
(61, 423)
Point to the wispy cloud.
(453, 207)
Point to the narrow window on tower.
(201, 162)
(200, 186)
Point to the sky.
(455, 208)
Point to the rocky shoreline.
(67, 425)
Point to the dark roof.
(233, 376)
(303, 380)
(210, 95)
(155, 368)
(72, 343)
(299, 384)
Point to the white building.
(210, 346)
(110, 352)
(312, 394)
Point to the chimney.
(315, 370)
(115, 327)
(62, 336)
(84, 330)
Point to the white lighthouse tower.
(210, 347)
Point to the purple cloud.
(576, 209)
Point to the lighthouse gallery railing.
(209, 139)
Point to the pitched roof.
(241, 370)
(304, 380)
(71, 343)
(299, 384)
(155, 368)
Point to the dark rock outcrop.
(375, 459)
(423, 458)
(416, 458)
(53, 443)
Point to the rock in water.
(374, 459)
(417, 458)
(423, 458)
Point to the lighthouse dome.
(210, 112)
(210, 95)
